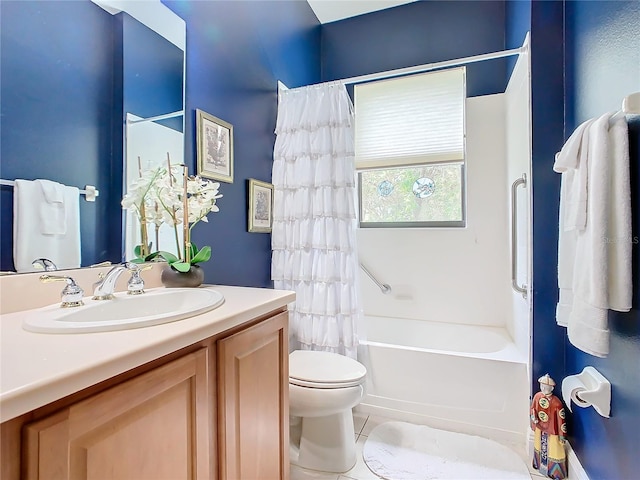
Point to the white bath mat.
(403, 451)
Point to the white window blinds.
(410, 120)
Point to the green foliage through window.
(390, 197)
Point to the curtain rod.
(427, 66)
(433, 66)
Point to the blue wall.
(547, 101)
(152, 72)
(236, 53)
(517, 23)
(602, 66)
(416, 34)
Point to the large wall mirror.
(87, 87)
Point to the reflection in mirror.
(70, 72)
(150, 145)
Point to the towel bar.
(90, 193)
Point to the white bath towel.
(590, 279)
(566, 260)
(594, 263)
(29, 243)
(620, 241)
(51, 210)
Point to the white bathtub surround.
(397, 450)
(436, 374)
(313, 239)
(518, 162)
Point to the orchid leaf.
(202, 256)
(194, 250)
(183, 267)
(169, 257)
(151, 256)
(137, 251)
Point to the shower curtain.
(313, 235)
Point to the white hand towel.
(568, 158)
(51, 208)
(573, 162)
(29, 243)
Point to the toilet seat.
(326, 370)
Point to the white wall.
(459, 275)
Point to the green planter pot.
(174, 279)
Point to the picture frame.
(214, 138)
(260, 206)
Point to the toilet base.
(326, 443)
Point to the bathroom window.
(419, 195)
(409, 137)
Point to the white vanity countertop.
(39, 368)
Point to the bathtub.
(462, 378)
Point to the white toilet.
(323, 388)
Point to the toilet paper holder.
(588, 388)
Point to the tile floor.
(363, 425)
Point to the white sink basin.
(155, 306)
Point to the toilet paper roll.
(571, 387)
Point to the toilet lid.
(313, 369)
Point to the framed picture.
(215, 147)
(260, 206)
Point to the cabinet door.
(154, 427)
(253, 402)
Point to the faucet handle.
(135, 285)
(71, 294)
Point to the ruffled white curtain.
(313, 236)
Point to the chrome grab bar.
(522, 289)
(384, 287)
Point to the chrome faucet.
(103, 289)
(44, 264)
(71, 294)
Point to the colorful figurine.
(547, 421)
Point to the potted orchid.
(169, 196)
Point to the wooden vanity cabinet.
(215, 410)
(151, 427)
(253, 402)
